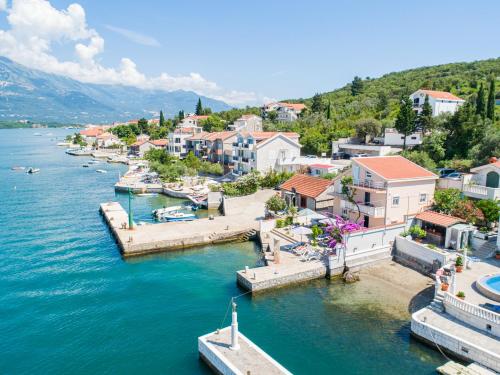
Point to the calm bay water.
(70, 304)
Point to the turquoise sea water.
(70, 304)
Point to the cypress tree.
(425, 117)
(405, 122)
(328, 111)
(162, 119)
(181, 115)
(199, 108)
(317, 105)
(490, 105)
(480, 103)
(356, 86)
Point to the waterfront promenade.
(149, 238)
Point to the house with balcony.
(484, 182)
(192, 121)
(251, 123)
(440, 101)
(305, 191)
(386, 190)
(287, 112)
(177, 140)
(139, 148)
(263, 151)
(216, 147)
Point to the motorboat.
(178, 216)
(147, 194)
(17, 168)
(85, 165)
(93, 162)
(32, 170)
(162, 211)
(101, 171)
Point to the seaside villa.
(387, 190)
(305, 191)
(440, 101)
(263, 151)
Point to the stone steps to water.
(283, 236)
(486, 250)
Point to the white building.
(287, 112)
(485, 182)
(139, 148)
(352, 147)
(191, 121)
(251, 123)
(177, 140)
(106, 140)
(393, 138)
(263, 151)
(440, 101)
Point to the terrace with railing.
(370, 184)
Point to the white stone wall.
(372, 238)
(421, 252)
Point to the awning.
(439, 219)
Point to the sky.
(244, 52)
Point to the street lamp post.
(130, 218)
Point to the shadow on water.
(421, 299)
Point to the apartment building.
(440, 101)
(387, 190)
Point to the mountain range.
(33, 95)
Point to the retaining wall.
(420, 257)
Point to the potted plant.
(445, 286)
(417, 233)
(461, 295)
(459, 264)
(497, 254)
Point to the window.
(344, 212)
(413, 137)
(368, 175)
(395, 201)
(423, 198)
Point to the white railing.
(482, 191)
(370, 184)
(472, 309)
(364, 209)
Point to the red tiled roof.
(322, 166)
(295, 106)
(91, 132)
(437, 218)
(246, 117)
(441, 95)
(138, 143)
(159, 142)
(394, 167)
(306, 185)
(265, 135)
(196, 117)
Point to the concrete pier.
(215, 350)
(150, 238)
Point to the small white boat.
(178, 216)
(162, 211)
(32, 170)
(147, 194)
(37, 134)
(101, 171)
(16, 168)
(93, 162)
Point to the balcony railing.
(370, 184)
(364, 208)
(481, 192)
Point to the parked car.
(454, 176)
(444, 172)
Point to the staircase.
(487, 250)
(283, 236)
(249, 235)
(437, 303)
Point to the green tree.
(490, 105)
(318, 104)
(490, 209)
(212, 124)
(405, 121)
(143, 125)
(447, 200)
(356, 86)
(367, 127)
(382, 104)
(329, 110)
(433, 145)
(480, 102)
(181, 115)
(162, 119)
(191, 161)
(488, 145)
(425, 120)
(272, 116)
(199, 108)
(275, 204)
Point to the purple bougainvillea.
(338, 230)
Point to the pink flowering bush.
(338, 229)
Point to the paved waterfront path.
(177, 235)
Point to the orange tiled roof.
(91, 132)
(394, 167)
(159, 142)
(437, 218)
(196, 117)
(441, 95)
(306, 185)
(265, 135)
(295, 106)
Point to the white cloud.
(134, 36)
(35, 25)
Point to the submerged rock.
(350, 277)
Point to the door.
(367, 197)
(492, 180)
(366, 221)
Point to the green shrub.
(459, 262)
(280, 223)
(417, 232)
(275, 203)
(289, 220)
(461, 294)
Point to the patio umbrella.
(310, 214)
(301, 231)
